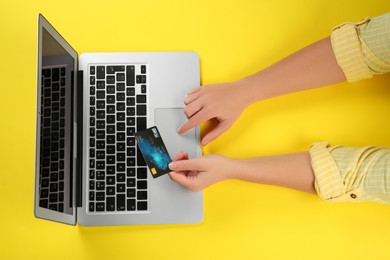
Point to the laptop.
(88, 167)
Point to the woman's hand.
(221, 103)
(199, 173)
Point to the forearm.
(290, 170)
(312, 67)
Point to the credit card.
(154, 151)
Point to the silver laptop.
(88, 167)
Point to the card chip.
(154, 151)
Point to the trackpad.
(168, 120)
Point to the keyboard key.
(92, 70)
(141, 110)
(113, 69)
(100, 84)
(120, 96)
(91, 207)
(100, 206)
(143, 88)
(110, 99)
(110, 129)
(142, 185)
(130, 172)
(121, 187)
(143, 69)
(141, 123)
(110, 149)
(101, 94)
(121, 126)
(110, 190)
(110, 181)
(142, 195)
(110, 80)
(120, 86)
(101, 104)
(131, 204)
(110, 201)
(120, 76)
(100, 144)
(130, 111)
(141, 173)
(141, 98)
(110, 89)
(101, 72)
(130, 141)
(130, 91)
(131, 182)
(100, 196)
(130, 161)
(110, 169)
(44, 193)
(121, 146)
(139, 79)
(111, 159)
(53, 197)
(120, 137)
(130, 101)
(130, 74)
(44, 203)
(53, 207)
(100, 165)
(91, 195)
(131, 193)
(100, 175)
(142, 205)
(111, 109)
(121, 167)
(121, 200)
(120, 177)
(100, 185)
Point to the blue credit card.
(154, 151)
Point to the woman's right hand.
(222, 103)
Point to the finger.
(194, 90)
(196, 164)
(192, 108)
(191, 98)
(215, 132)
(180, 156)
(195, 120)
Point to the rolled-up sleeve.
(351, 174)
(362, 49)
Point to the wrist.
(248, 88)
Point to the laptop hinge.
(79, 120)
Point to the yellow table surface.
(233, 39)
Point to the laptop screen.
(55, 147)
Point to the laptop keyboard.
(52, 147)
(117, 179)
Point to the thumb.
(214, 133)
(196, 164)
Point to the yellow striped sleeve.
(362, 49)
(351, 174)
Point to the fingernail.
(178, 130)
(171, 166)
(205, 142)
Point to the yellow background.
(233, 39)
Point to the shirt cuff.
(329, 182)
(348, 50)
